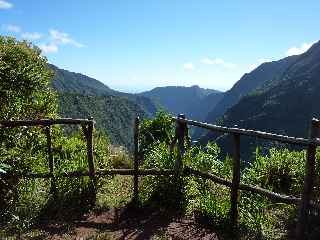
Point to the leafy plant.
(159, 129)
(25, 91)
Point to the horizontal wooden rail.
(252, 133)
(169, 172)
(271, 195)
(42, 122)
(247, 187)
(100, 172)
(141, 172)
(212, 177)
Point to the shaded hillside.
(81, 96)
(193, 101)
(113, 115)
(249, 82)
(287, 106)
(70, 82)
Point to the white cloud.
(5, 4)
(31, 36)
(299, 50)
(49, 48)
(257, 64)
(188, 66)
(55, 40)
(11, 28)
(218, 61)
(63, 38)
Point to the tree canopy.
(24, 81)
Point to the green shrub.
(280, 171)
(203, 196)
(120, 158)
(159, 129)
(163, 190)
(25, 91)
(25, 200)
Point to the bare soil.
(126, 223)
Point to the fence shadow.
(141, 222)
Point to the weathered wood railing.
(304, 202)
(87, 127)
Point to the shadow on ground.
(128, 222)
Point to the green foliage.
(160, 189)
(114, 192)
(207, 159)
(80, 96)
(25, 200)
(4, 168)
(159, 129)
(114, 116)
(25, 93)
(280, 170)
(120, 158)
(203, 196)
(25, 76)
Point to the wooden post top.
(182, 115)
(315, 128)
(316, 122)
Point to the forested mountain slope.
(81, 96)
(113, 115)
(194, 101)
(71, 82)
(286, 106)
(269, 71)
(289, 105)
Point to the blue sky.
(134, 45)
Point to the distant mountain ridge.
(292, 100)
(285, 105)
(266, 72)
(80, 96)
(193, 101)
(71, 82)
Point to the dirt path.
(126, 223)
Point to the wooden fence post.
(136, 160)
(235, 180)
(308, 181)
(180, 134)
(90, 148)
(53, 189)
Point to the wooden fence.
(87, 127)
(305, 203)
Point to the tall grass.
(281, 171)
(25, 201)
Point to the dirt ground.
(125, 223)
